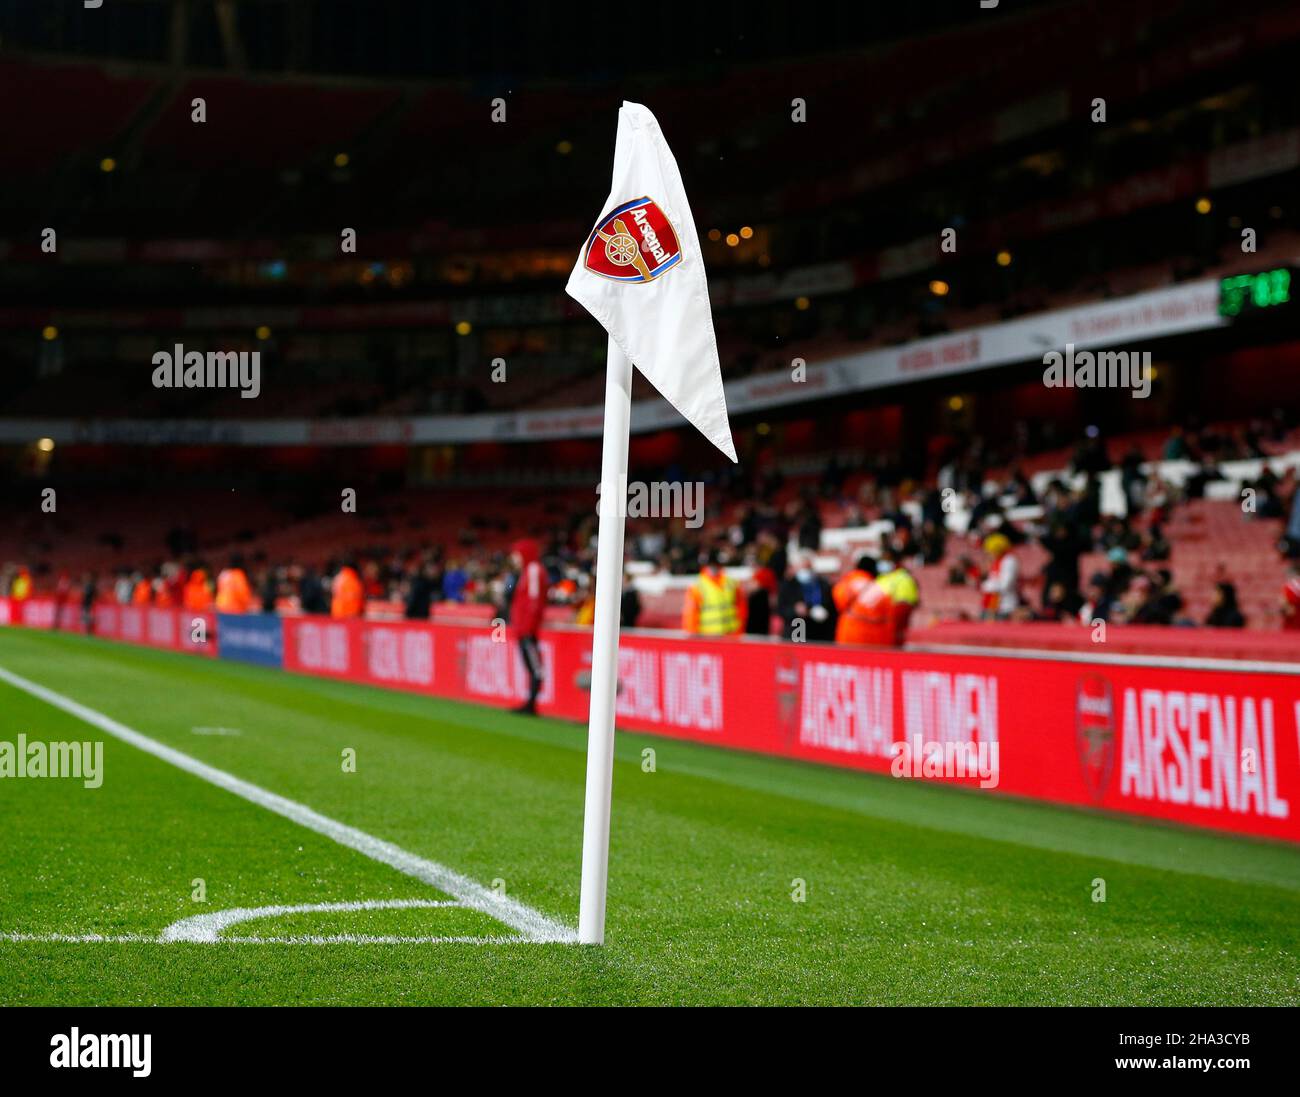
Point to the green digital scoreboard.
(1265, 291)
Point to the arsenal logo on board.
(1095, 733)
(633, 243)
(787, 700)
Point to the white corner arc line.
(532, 924)
(207, 928)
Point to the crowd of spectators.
(754, 523)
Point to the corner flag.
(641, 274)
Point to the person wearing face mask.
(897, 582)
(806, 597)
(714, 606)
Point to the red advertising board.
(1208, 747)
(155, 626)
(1189, 741)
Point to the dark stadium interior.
(818, 239)
(728, 503)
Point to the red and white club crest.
(1095, 733)
(633, 243)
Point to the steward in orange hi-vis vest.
(197, 596)
(864, 607)
(234, 595)
(347, 597)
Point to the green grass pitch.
(914, 894)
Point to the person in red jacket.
(1291, 599)
(527, 601)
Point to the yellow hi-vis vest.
(717, 607)
(900, 586)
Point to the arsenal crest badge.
(633, 243)
(1095, 733)
(787, 700)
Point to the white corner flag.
(641, 274)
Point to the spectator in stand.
(1293, 525)
(454, 582)
(585, 602)
(1001, 585)
(234, 595)
(988, 507)
(1291, 599)
(1224, 611)
(1090, 455)
(1156, 548)
(1176, 448)
(122, 588)
(269, 590)
(1100, 605)
(162, 591)
(88, 595)
(758, 605)
(810, 528)
(1065, 544)
(965, 572)
(311, 592)
(1061, 603)
(1158, 499)
(422, 591)
(629, 607)
(1206, 471)
(141, 590)
(527, 603)
(372, 582)
(174, 577)
(1020, 488)
(62, 595)
(1133, 480)
(1162, 603)
(714, 606)
(806, 597)
(197, 596)
(933, 541)
(864, 616)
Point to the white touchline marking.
(300, 939)
(533, 924)
(216, 731)
(81, 938)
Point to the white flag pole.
(604, 648)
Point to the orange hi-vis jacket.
(197, 597)
(865, 611)
(714, 606)
(142, 593)
(233, 592)
(346, 596)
